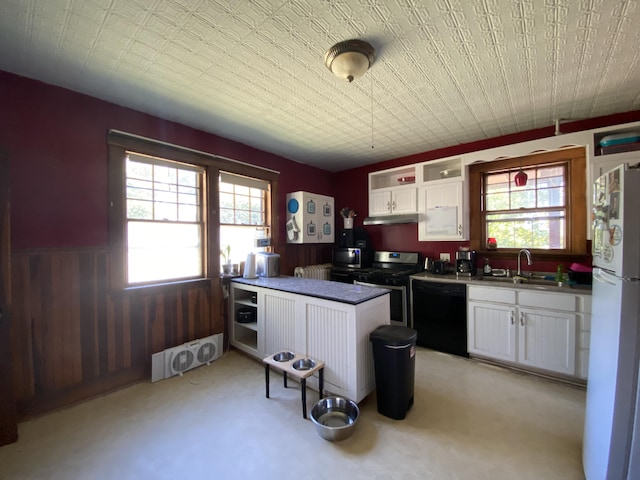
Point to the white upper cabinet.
(393, 191)
(393, 201)
(443, 205)
(443, 212)
(310, 218)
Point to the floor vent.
(177, 360)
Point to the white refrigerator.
(611, 444)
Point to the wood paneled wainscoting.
(73, 339)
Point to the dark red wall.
(351, 190)
(56, 141)
(57, 145)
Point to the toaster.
(267, 264)
(440, 267)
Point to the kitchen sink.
(531, 281)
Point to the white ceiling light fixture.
(349, 59)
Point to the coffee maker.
(466, 263)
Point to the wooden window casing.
(119, 144)
(575, 192)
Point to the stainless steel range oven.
(389, 270)
(398, 300)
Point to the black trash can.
(394, 359)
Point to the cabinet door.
(280, 323)
(379, 203)
(547, 339)
(329, 337)
(405, 201)
(491, 330)
(443, 215)
(310, 218)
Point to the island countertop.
(335, 291)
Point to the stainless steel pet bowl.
(283, 356)
(304, 364)
(335, 418)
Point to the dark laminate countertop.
(335, 291)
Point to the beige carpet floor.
(469, 421)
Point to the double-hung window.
(547, 214)
(172, 207)
(530, 216)
(164, 220)
(243, 214)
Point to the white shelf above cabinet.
(393, 191)
(393, 178)
(449, 169)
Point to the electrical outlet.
(445, 257)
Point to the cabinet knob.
(460, 229)
(522, 319)
(511, 317)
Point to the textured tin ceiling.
(447, 71)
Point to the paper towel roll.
(250, 266)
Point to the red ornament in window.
(520, 178)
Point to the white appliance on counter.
(310, 218)
(611, 446)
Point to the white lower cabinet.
(333, 332)
(532, 329)
(547, 340)
(491, 330)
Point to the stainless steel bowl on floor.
(335, 418)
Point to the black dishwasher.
(440, 316)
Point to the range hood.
(391, 219)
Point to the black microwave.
(352, 257)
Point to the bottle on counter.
(487, 267)
(559, 274)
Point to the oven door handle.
(341, 274)
(378, 285)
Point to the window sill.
(158, 288)
(542, 254)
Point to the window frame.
(201, 206)
(119, 144)
(575, 200)
(250, 183)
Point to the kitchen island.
(327, 321)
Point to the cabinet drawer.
(489, 294)
(550, 301)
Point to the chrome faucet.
(529, 262)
